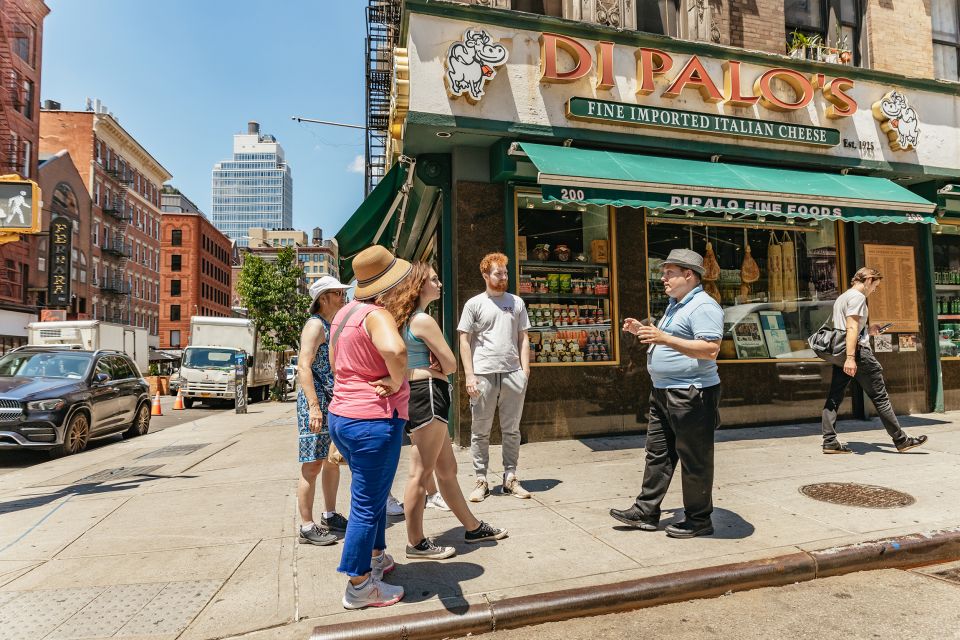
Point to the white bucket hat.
(324, 284)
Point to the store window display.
(776, 281)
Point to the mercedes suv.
(57, 399)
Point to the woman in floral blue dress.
(316, 390)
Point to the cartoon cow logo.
(472, 63)
(898, 120)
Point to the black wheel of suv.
(75, 437)
(188, 403)
(141, 423)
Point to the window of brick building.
(24, 36)
(175, 338)
(175, 262)
(176, 237)
(835, 25)
(945, 16)
(174, 312)
(659, 16)
(174, 287)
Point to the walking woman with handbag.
(367, 416)
(850, 314)
(429, 362)
(316, 390)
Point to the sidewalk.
(204, 544)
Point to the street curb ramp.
(912, 550)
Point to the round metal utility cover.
(851, 494)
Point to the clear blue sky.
(183, 76)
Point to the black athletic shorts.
(429, 401)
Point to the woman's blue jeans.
(372, 450)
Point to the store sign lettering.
(643, 116)
(654, 65)
(61, 240)
(758, 206)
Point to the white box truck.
(206, 371)
(93, 335)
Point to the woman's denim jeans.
(372, 450)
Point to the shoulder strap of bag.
(336, 334)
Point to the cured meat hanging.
(711, 268)
(789, 277)
(749, 271)
(775, 272)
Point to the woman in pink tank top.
(367, 416)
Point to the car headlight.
(46, 405)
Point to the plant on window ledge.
(803, 46)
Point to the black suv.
(57, 398)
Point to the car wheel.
(75, 437)
(141, 423)
(188, 403)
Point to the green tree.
(270, 290)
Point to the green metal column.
(929, 317)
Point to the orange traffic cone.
(156, 410)
(178, 403)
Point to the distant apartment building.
(21, 46)
(196, 271)
(124, 181)
(318, 258)
(172, 201)
(252, 189)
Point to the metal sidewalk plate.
(852, 494)
(174, 450)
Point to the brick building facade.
(124, 182)
(195, 275)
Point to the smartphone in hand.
(884, 327)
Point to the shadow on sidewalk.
(727, 525)
(422, 580)
(85, 489)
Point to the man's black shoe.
(837, 447)
(335, 523)
(633, 518)
(911, 443)
(686, 530)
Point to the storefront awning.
(663, 184)
(948, 201)
(374, 221)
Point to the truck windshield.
(208, 358)
(44, 365)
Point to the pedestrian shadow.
(84, 489)
(454, 538)
(426, 579)
(538, 485)
(863, 448)
(727, 525)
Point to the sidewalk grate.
(117, 473)
(852, 494)
(174, 450)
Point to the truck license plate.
(205, 395)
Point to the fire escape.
(115, 284)
(383, 35)
(11, 91)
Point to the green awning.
(948, 201)
(662, 184)
(374, 221)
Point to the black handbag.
(829, 343)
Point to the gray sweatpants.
(504, 390)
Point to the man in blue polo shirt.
(684, 402)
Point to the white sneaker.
(511, 487)
(394, 506)
(436, 501)
(374, 593)
(382, 565)
(480, 490)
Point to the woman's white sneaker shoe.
(511, 487)
(374, 593)
(394, 506)
(436, 501)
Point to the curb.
(901, 552)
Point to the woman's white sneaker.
(436, 501)
(373, 593)
(382, 565)
(394, 506)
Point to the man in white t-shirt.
(850, 312)
(495, 354)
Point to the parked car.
(57, 399)
(174, 382)
(292, 372)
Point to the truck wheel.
(141, 423)
(188, 403)
(75, 437)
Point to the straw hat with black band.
(377, 271)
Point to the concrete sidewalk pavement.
(191, 532)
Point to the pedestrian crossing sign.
(19, 207)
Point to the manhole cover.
(119, 472)
(176, 450)
(857, 495)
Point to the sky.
(184, 76)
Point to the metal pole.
(333, 124)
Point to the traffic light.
(19, 207)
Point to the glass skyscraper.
(254, 188)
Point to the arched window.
(65, 200)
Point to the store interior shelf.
(603, 326)
(947, 287)
(537, 265)
(949, 317)
(564, 296)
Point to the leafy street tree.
(270, 290)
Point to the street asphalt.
(190, 532)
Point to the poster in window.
(883, 343)
(908, 342)
(895, 300)
(748, 338)
(775, 333)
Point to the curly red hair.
(401, 300)
(491, 260)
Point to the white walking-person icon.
(15, 207)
